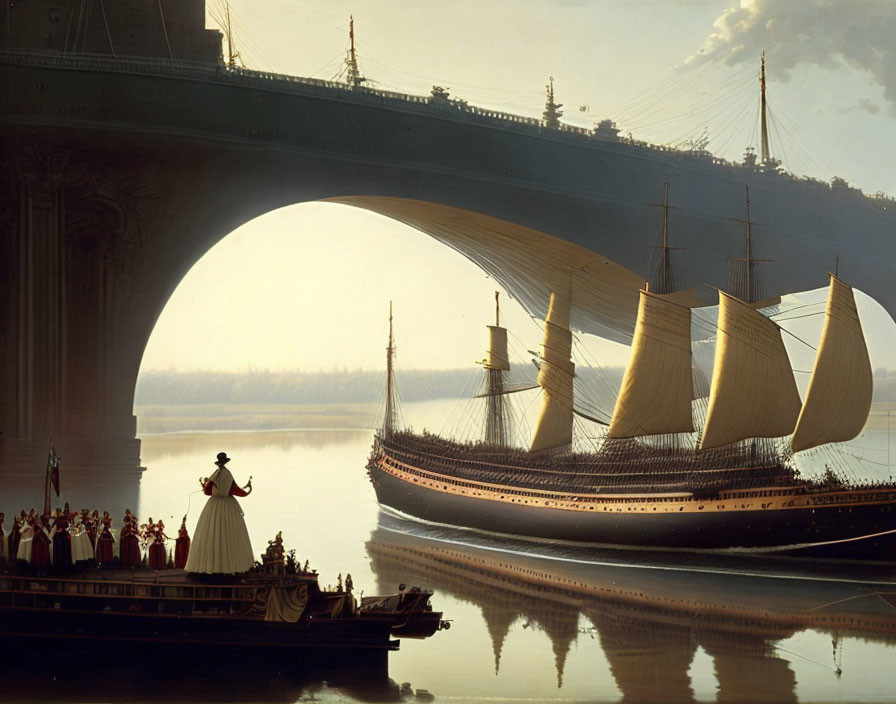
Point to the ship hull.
(853, 531)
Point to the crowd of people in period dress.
(64, 541)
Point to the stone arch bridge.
(117, 174)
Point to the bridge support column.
(65, 231)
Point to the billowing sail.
(497, 420)
(555, 376)
(839, 396)
(753, 393)
(657, 388)
(497, 349)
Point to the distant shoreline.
(166, 419)
(169, 419)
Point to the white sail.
(554, 428)
(838, 399)
(753, 392)
(497, 419)
(657, 388)
(497, 357)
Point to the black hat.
(222, 459)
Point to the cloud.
(869, 106)
(830, 34)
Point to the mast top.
(663, 277)
(747, 289)
(766, 156)
(552, 112)
(232, 54)
(353, 76)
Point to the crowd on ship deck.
(665, 469)
(65, 541)
(564, 472)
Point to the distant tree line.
(359, 386)
(260, 387)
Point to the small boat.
(411, 611)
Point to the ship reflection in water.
(651, 618)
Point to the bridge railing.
(454, 109)
(104, 62)
(219, 72)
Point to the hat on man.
(222, 459)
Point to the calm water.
(530, 622)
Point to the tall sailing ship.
(737, 488)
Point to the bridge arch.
(146, 163)
(320, 274)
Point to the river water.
(530, 622)
(534, 622)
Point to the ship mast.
(496, 418)
(353, 77)
(749, 296)
(389, 419)
(555, 377)
(552, 112)
(231, 54)
(663, 279)
(762, 110)
(746, 290)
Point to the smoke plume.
(831, 34)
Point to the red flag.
(54, 470)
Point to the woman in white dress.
(73, 529)
(27, 536)
(4, 540)
(221, 542)
(82, 550)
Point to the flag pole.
(47, 480)
(51, 478)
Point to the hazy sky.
(315, 279)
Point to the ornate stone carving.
(88, 214)
(108, 203)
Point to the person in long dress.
(4, 543)
(82, 548)
(128, 542)
(74, 531)
(15, 535)
(62, 543)
(182, 545)
(26, 535)
(105, 542)
(41, 546)
(157, 552)
(220, 542)
(91, 523)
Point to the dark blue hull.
(854, 531)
